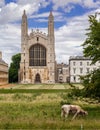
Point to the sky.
(70, 20)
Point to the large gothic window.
(37, 55)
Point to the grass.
(41, 108)
(43, 116)
(39, 86)
(32, 90)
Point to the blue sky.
(71, 21)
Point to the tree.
(92, 43)
(92, 84)
(14, 67)
(92, 50)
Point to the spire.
(24, 14)
(50, 13)
(24, 11)
(51, 25)
(24, 25)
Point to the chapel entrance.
(37, 78)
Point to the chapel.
(37, 53)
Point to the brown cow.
(75, 109)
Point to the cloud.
(12, 11)
(2, 3)
(68, 37)
(10, 42)
(91, 3)
(68, 5)
(43, 17)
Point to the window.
(74, 70)
(60, 71)
(81, 70)
(88, 70)
(80, 63)
(37, 55)
(74, 63)
(37, 38)
(87, 63)
(74, 78)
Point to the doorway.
(37, 78)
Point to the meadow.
(39, 107)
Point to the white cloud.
(34, 3)
(71, 36)
(64, 3)
(68, 37)
(68, 5)
(2, 3)
(43, 17)
(91, 3)
(9, 41)
(12, 12)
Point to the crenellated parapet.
(37, 33)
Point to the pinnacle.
(24, 12)
(51, 13)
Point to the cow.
(74, 109)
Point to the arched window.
(37, 55)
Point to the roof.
(2, 62)
(79, 58)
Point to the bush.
(92, 84)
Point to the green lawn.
(43, 86)
(41, 108)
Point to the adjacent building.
(62, 73)
(3, 71)
(80, 66)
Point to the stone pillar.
(0, 55)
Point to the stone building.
(80, 66)
(3, 71)
(62, 73)
(37, 54)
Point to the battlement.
(37, 32)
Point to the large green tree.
(14, 67)
(92, 50)
(92, 42)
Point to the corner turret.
(24, 25)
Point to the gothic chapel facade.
(37, 54)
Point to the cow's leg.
(75, 115)
(66, 115)
(62, 113)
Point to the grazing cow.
(75, 109)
